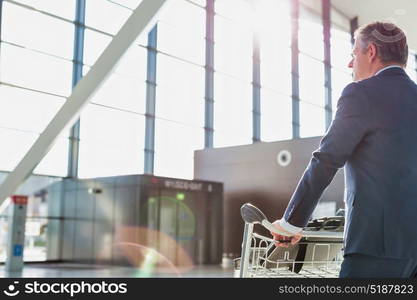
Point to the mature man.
(374, 136)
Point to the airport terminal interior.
(133, 131)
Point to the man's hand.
(291, 238)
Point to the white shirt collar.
(388, 67)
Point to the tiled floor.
(87, 271)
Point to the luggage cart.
(318, 254)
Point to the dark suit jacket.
(374, 136)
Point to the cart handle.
(253, 215)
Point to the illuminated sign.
(183, 185)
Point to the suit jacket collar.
(392, 71)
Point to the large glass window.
(273, 28)
(35, 78)
(112, 142)
(311, 36)
(38, 31)
(311, 80)
(311, 74)
(113, 125)
(232, 49)
(20, 128)
(180, 89)
(311, 120)
(174, 148)
(34, 70)
(105, 15)
(133, 63)
(16, 144)
(275, 116)
(43, 62)
(175, 34)
(235, 10)
(56, 161)
(132, 4)
(339, 81)
(232, 111)
(199, 2)
(274, 32)
(94, 45)
(64, 8)
(276, 67)
(122, 92)
(38, 109)
(341, 49)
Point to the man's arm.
(350, 125)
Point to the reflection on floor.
(56, 270)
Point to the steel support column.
(256, 91)
(327, 63)
(77, 73)
(209, 76)
(295, 14)
(150, 101)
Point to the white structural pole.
(141, 20)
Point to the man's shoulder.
(373, 81)
(376, 86)
(365, 83)
(365, 86)
(356, 88)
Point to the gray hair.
(389, 39)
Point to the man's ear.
(372, 52)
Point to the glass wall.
(273, 26)
(341, 49)
(36, 70)
(35, 78)
(36, 73)
(311, 74)
(180, 88)
(113, 124)
(233, 39)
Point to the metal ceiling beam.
(142, 19)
